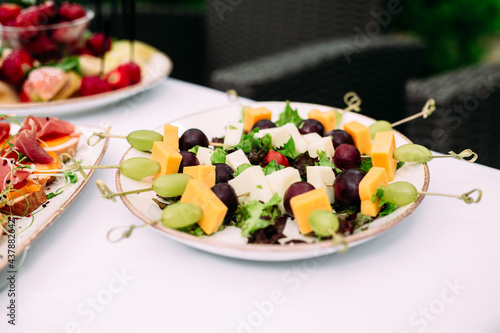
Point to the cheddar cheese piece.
(383, 153)
(361, 136)
(375, 178)
(254, 115)
(169, 158)
(213, 208)
(326, 118)
(205, 173)
(171, 135)
(304, 204)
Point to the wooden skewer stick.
(427, 110)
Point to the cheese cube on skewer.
(251, 184)
(236, 158)
(323, 144)
(322, 176)
(234, 131)
(280, 181)
(204, 155)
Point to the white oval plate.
(159, 67)
(44, 217)
(229, 242)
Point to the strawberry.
(8, 13)
(71, 11)
(48, 12)
(29, 17)
(15, 67)
(92, 85)
(23, 96)
(133, 70)
(96, 43)
(118, 78)
(43, 48)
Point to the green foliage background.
(453, 30)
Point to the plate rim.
(114, 95)
(48, 222)
(300, 247)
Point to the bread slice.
(69, 147)
(26, 204)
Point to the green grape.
(180, 215)
(338, 118)
(139, 167)
(143, 139)
(324, 223)
(379, 126)
(171, 185)
(400, 193)
(412, 153)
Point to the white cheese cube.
(300, 143)
(253, 183)
(204, 155)
(321, 144)
(311, 137)
(265, 131)
(234, 131)
(236, 158)
(280, 181)
(322, 176)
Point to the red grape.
(192, 137)
(346, 186)
(295, 189)
(346, 156)
(307, 126)
(339, 137)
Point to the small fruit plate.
(229, 241)
(155, 70)
(29, 228)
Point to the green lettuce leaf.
(289, 115)
(254, 215)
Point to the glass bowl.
(48, 42)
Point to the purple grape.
(223, 173)
(307, 126)
(192, 137)
(346, 186)
(188, 159)
(227, 195)
(263, 124)
(339, 137)
(293, 190)
(346, 156)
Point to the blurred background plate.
(158, 67)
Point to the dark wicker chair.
(283, 49)
(467, 113)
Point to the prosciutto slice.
(48, 127)
(9, 177)
(4, 131)
(27, 143)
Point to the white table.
(438, 271)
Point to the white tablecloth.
(438, 271)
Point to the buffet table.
(437, 271)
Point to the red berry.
(43, 48)
(71, 11)
(92, 85)
(48, 12)
(23, 96)
(277, 157)
(118, 78)
(9, 12)
(96, 43)
(29, 17)
(133, 70)
(15, 67)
